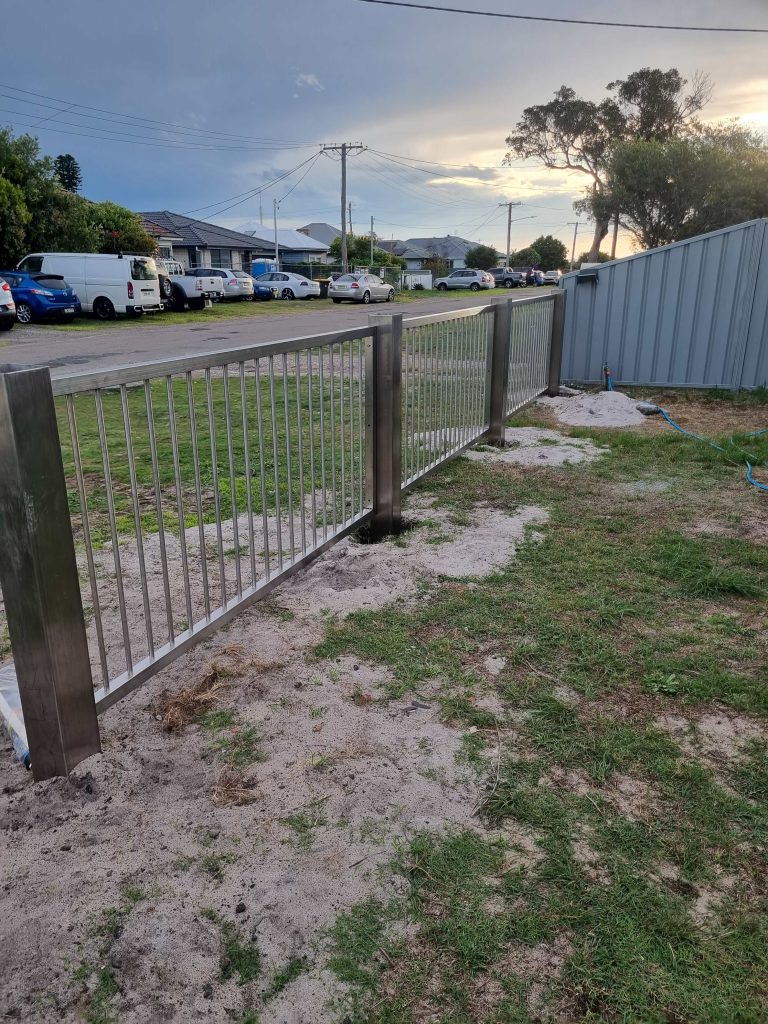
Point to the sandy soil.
(345, 775)
(595, 409)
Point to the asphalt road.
(121, 344)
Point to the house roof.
(158, 231)
(323, 232)
(198, 232)
(399, 248)
(449, 247)
(286, 238)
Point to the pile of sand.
(536, 446)
(599, 409)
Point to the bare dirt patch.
(717, 738)
(538, 446)
(277, 846)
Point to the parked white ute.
(179, 287)
(106, 285)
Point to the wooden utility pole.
(576, 225)
(344, 148)
(509, 228)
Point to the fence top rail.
(139, 372)
(458, 314)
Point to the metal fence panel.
(193, 486)
(529, 348)
(685, 315)
(444, 381)
(193, 490)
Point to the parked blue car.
(41, 296)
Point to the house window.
(166, 252)
(221, 257)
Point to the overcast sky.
(264, 83)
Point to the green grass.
(645, 896)
(305, 822)
(240, 958)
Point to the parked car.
(105, 284)
(263, 292)
(506, 277)
(360, 288)
(7, 306)
(472, 279)
(41, 296)
(522, 272)
(291, 286)
(178, 288)
(552, 277)
(233, 286)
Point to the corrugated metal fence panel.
(686, 314)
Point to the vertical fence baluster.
(288, 460)
(88, 541)
(137, 519)
(198, 494)
(262, 473)
(232, 480)
(216, 496)
(273, 424)
(323, 485)
(247, 461)
(299, 431)
(179, 500)
(311, 412)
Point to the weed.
(239, 746)
(281, 979)
(306, 821)
(215, 721)
(213, 864)
(233, 789)
(239, 958)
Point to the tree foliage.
(359, 253)
(553, 254)
(529, 257)
(68, 172)
(674, 189)
(481, 257)
(573, 134)
(602, 257)
(38, 214)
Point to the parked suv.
(506, 277)
(552, 277)
(472, 279)
(7, 307)
(41, 296)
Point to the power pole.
(509, 228)
(351, 232)
(576, 225)
(344, 148)
(277, 252)
(371, 241)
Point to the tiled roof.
(198, 232)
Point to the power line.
(559, 21)
(253, 192)
(146, 122)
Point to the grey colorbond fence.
(692, 314)
(143, 507)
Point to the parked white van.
(105, 284)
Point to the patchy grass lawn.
(620, 873)
(536, 795)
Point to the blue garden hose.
(697, 437)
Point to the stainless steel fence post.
(556, 343)
(39, 579)
(384, 421)
(498, 371)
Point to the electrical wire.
(558, 21)
(145, 122)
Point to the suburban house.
(196, 243)
(321, 232)
(450, 248)
(293, 246)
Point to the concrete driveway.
(120, 344)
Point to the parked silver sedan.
(360, 288)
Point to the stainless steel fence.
(191, 487)
(444, 374)
(529, 343)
